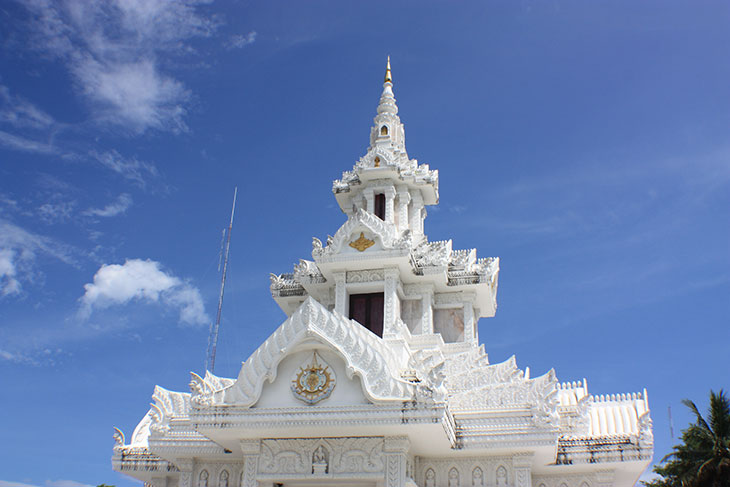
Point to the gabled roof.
(365, 354)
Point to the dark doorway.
(367, 309)
(380, 206)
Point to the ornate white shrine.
(377, 378)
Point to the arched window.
(384, 130)
(501, 475)
(453, 477)
(477, 477)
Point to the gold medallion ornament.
(314, 381)
(362, 243)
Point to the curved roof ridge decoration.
(468, 376)
(539, 393)
(384, 230)
(364, 353)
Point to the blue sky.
(584, 143)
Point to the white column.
(477, 313)
(251, 450)
(370, 200)
(186, 472)
(427, 308)
(404, 197)
(389, 204)
(416, 220)
(158, 482)
(340, 292)
(396, 455)
(390, 313)
(522, 464)
(469, 321)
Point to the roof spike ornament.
(387, 99)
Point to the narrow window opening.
(380, 206)
(367, 309)
(384, 130)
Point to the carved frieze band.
(369, 275)
(307, 456)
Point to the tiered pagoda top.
(377, 376)
(429, 288)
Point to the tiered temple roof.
(377, 375)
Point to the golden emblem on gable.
(313, 382)
(362, 243)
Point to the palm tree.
(703, 458)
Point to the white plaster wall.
(450, 323)
(279, 395)
(412, 315)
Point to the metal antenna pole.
(214, 334)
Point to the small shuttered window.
(380, 206)
(368, 309)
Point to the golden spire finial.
(388, 77)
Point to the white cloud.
(25, 144)
(18, 251)
(113, 49)
(130, 168)
(8, 282)
(135, 94)
(56, 212)
(48, 483)
(19, 112)
(6, 483)
(240, 41)
(123, 202)
(142, 280)
(65, 483)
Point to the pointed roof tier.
(377, 376)
(386, 158)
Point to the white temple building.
(377, 377)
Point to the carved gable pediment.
(362, 232)
(363, 353)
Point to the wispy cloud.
(142, 280)
(36, 357)
(113, 49)
(129, 167)
(239, 41)
(60, 212)
(9, 283)
(48, 483)
(25, 144)
(18, 251)
(123, 202)
(65, 483)
(19, 112)
(7, 483)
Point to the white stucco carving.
(323, 400)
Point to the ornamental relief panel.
(305, 456)
(580, 480)
(369, 275)
(212, 474)
(468, 472)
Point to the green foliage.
(703, 457)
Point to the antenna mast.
(213, 340)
